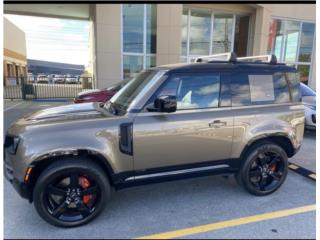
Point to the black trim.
(125, 138)
(120, 182)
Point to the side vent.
(125, 138)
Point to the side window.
(240, 90)
(193, 91)
(261, 89)
(281, 89)
(255, 89)
(294, 84)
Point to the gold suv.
(219, 115)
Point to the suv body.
(169, 122)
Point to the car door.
(200, 131)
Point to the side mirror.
(164, 104)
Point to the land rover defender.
(219, 115)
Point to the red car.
(99, 95)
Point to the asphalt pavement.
(206, 207)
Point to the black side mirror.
(164, 104)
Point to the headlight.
(11, 144)
(312, 107)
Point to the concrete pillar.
(168, 33)
(5, 69)
(261, 31)
(108, 44)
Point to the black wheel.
(264, 169)
(71, 192)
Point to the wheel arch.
(281, 140)
(45, 160)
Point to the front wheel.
(264, 169)
(71, 192)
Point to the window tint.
(261, 89)
(192, 91)
(240, 90)
(281, 89)
(253, 89)
(294, 84)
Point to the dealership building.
(127, 38)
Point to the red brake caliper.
(273, 167)
(85, 183)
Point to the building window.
(292, 42)
(139, 26)
(205, 32)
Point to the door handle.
(217, 124)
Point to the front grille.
(313, 118)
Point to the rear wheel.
(71, 192)
(264, 169)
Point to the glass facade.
(205, 32)
(199, 39)
(139, 26)
(222, 37)
(292, 42)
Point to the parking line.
(231, 223)
(11, 107)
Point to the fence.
(23, 88)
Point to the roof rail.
(225, 57)
(272, 59)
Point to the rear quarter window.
(254, 88)
(294, 85)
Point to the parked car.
(183, 120)
(30, 78)
(309, 102)
(71, 79)
(42, 78)
(58, 79)
(97, 95)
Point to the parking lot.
(207, 207)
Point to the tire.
(264, 169)
(71, 192)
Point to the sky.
(53, 39)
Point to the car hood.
(67, 112)
(90, 92)
(309, 100)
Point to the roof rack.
(225, 57)
(272, 59)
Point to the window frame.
(189, 57)
(272, 73)
(170, 76)
(295, 63)
(144, 53)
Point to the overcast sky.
(57, 40)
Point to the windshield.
(306, 91)
(116, 87)
(122, 100)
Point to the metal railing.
(29, 88)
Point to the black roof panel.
(225, 66)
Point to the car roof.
(225, 66)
